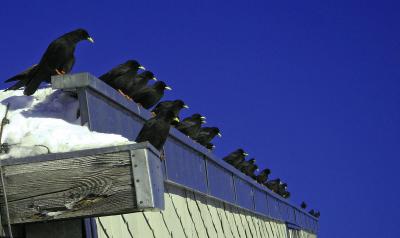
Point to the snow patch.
(48, 122)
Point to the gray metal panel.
(260, 202)
(185, 166)
(107, 117)
(220, 182)
(273, 206)
(149, 188)
(244, 194)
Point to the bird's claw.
(123, 94)
(60, 72)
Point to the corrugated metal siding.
(189, 214)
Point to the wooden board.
(83, 186)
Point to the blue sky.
(309, 88)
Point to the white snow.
(47, 119)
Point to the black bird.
(303, 205)
(250, 170)
(210, 146)
(317, 214)
(122, 75)
(58, 59)
(285, 194)
(22, 78)
(156, 129)
(235, 157)
(149, 96)
(176, 106)
(262, 177)
(273, 185)
(206, 134)
(191, 125)
(282, 190)
(312, 212)
(244, 163)
(140, 82)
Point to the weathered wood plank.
(92, 185)
(156, 223)
(252, 227)
(196, 215)
(70, 188)
(244, 222)
(262, 227)
(172, 220)
(211, 207)
(224, 221)
(254, 221)
(188, 216)
(236, 218)
(180, 206)
(205, 215)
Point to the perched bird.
(58, 59)
(262, 177)
(120, 76)
(206, 134)
(303, 205)
(251, 169)
(282, 190)
(243, 164)
(139, 83)
(149, 96)
(317, 214)
(273, 185)
(176, 106)
(156, 129)
(235, 157)
(210, 146)
(191, 125)
(312, 212)
(285, 194)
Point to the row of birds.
(127, 78)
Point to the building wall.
(188, 214)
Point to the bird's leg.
(162, 154)
(123, 94)
(60, 72)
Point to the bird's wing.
(57, 55)
(157, 108)
(142, 94)
(115, 72)
(68, 66)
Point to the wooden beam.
(102, 182)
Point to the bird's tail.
(22, 82)
(39, 76)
